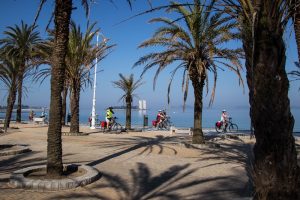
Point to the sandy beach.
(136, 165)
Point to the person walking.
(31, 115)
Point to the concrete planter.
(19, 179)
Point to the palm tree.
(22, 42)
(262, 25)
(128, 85)
(197, 47)
(80, 56)
(9, 71)
(63, 9)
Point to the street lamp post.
(94, 94)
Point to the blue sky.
(127, 36)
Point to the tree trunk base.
(198, 136)
(54, 172)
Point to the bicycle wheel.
(219, 129)
(116, 127)
(233, 128)
(165, 125)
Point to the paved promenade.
(134, 166)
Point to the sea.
(179, 118)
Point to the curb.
(113, 132)
(18, 179)
(200, 146)
(73, 134)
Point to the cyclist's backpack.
(154, 123)
(218, 124)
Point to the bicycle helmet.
(224, 110)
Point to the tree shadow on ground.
(9, 131)
(11, 163)
(126, 145)
(175, 183)
(237, 153)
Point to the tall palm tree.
(198, 47)
(22, 42)
(262, 25)
(63, 10)
(80, 56)
(9, 71)
(128, 85)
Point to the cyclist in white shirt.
(224, 118)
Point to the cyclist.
(161, 116)
(224, 119)
(109, 116)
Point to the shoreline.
(178, 118)
(209, 130)
(25, 110)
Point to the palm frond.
(128, 85)
(198, 43)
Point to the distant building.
(142, 105)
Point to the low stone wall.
(74, 134)
(19, 180)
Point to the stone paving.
(141, 165)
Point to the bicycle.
(220, 126)
(165, 124)
(114, 125)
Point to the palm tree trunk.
(198, 85)
(275, 164)
(64, 105)
(128, 113)
(20, 88)
(10, 105)
(75, 95)
(63, 9)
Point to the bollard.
(172, 130)
(190, 131)
(145, 120)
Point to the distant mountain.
(15, 107)
(23, 107)
(124, 107)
